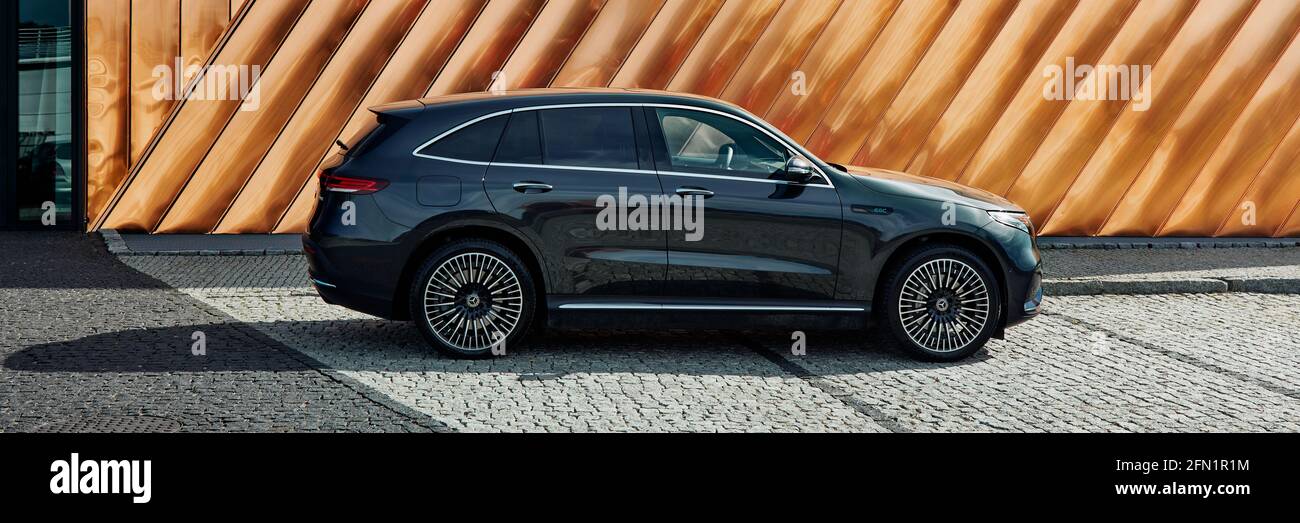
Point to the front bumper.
(1022, 271)
(1030, 302)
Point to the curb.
(117, 246)
(114, 242)
(1058, 242)
(1085, 287)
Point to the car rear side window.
(589, 137)
(521, 143)
(475, 142)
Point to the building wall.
(954, 89)
(125, 39)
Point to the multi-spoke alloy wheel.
(471, 302)
(943, 303)
(944, 306)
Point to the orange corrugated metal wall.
(951, 89)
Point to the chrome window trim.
(744, 179)
(679, 307)
(416, 152)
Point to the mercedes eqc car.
(483, 216)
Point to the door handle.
(532, 187)
(694, 191)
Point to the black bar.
(1001, 471)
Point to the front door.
(41, 175)
(557, 172)
(759, 236)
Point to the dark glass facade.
(43, 186)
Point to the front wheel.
(942, 303)
(472, 299)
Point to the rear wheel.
(473, 299)
(942, 303)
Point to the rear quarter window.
(475, 142)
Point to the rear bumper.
(363, 291)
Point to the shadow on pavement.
(228, 347)
(374, 345)
(63, 260)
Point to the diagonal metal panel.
(108, 100)
(776, 54)
(1134, 136)
(1020, 130)
(302, 98)
(1205, 120)
(606, 43)
(1081, 127)
(497, 30)
(666, 44)
(343, 83)
(1292, 226)
(188, 134)
(728, 38)
(551, 38)
(408, 74)
(1212, 198)
(878, 78)
(829, 64)
(304, 53)
(985, 96)
(944, 88)
(945, 67)
(1272, 194)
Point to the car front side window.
(695, 141)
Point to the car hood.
(903, 184)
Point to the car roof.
(502, 100)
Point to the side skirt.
(624, 312)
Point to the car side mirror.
(797, 169)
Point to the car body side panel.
(587, 260)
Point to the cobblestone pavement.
(1168, 363)
(88, 344)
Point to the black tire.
(474, 288)
(932, 302)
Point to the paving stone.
(1180, 362)
(89, 344)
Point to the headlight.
(1018, 220)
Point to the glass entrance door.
(45, 188)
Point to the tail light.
(351, 184)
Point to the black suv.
(481, 215)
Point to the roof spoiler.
(405, 109)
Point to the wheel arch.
(979, 247)
(509, 239)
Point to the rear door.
(556, 172)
